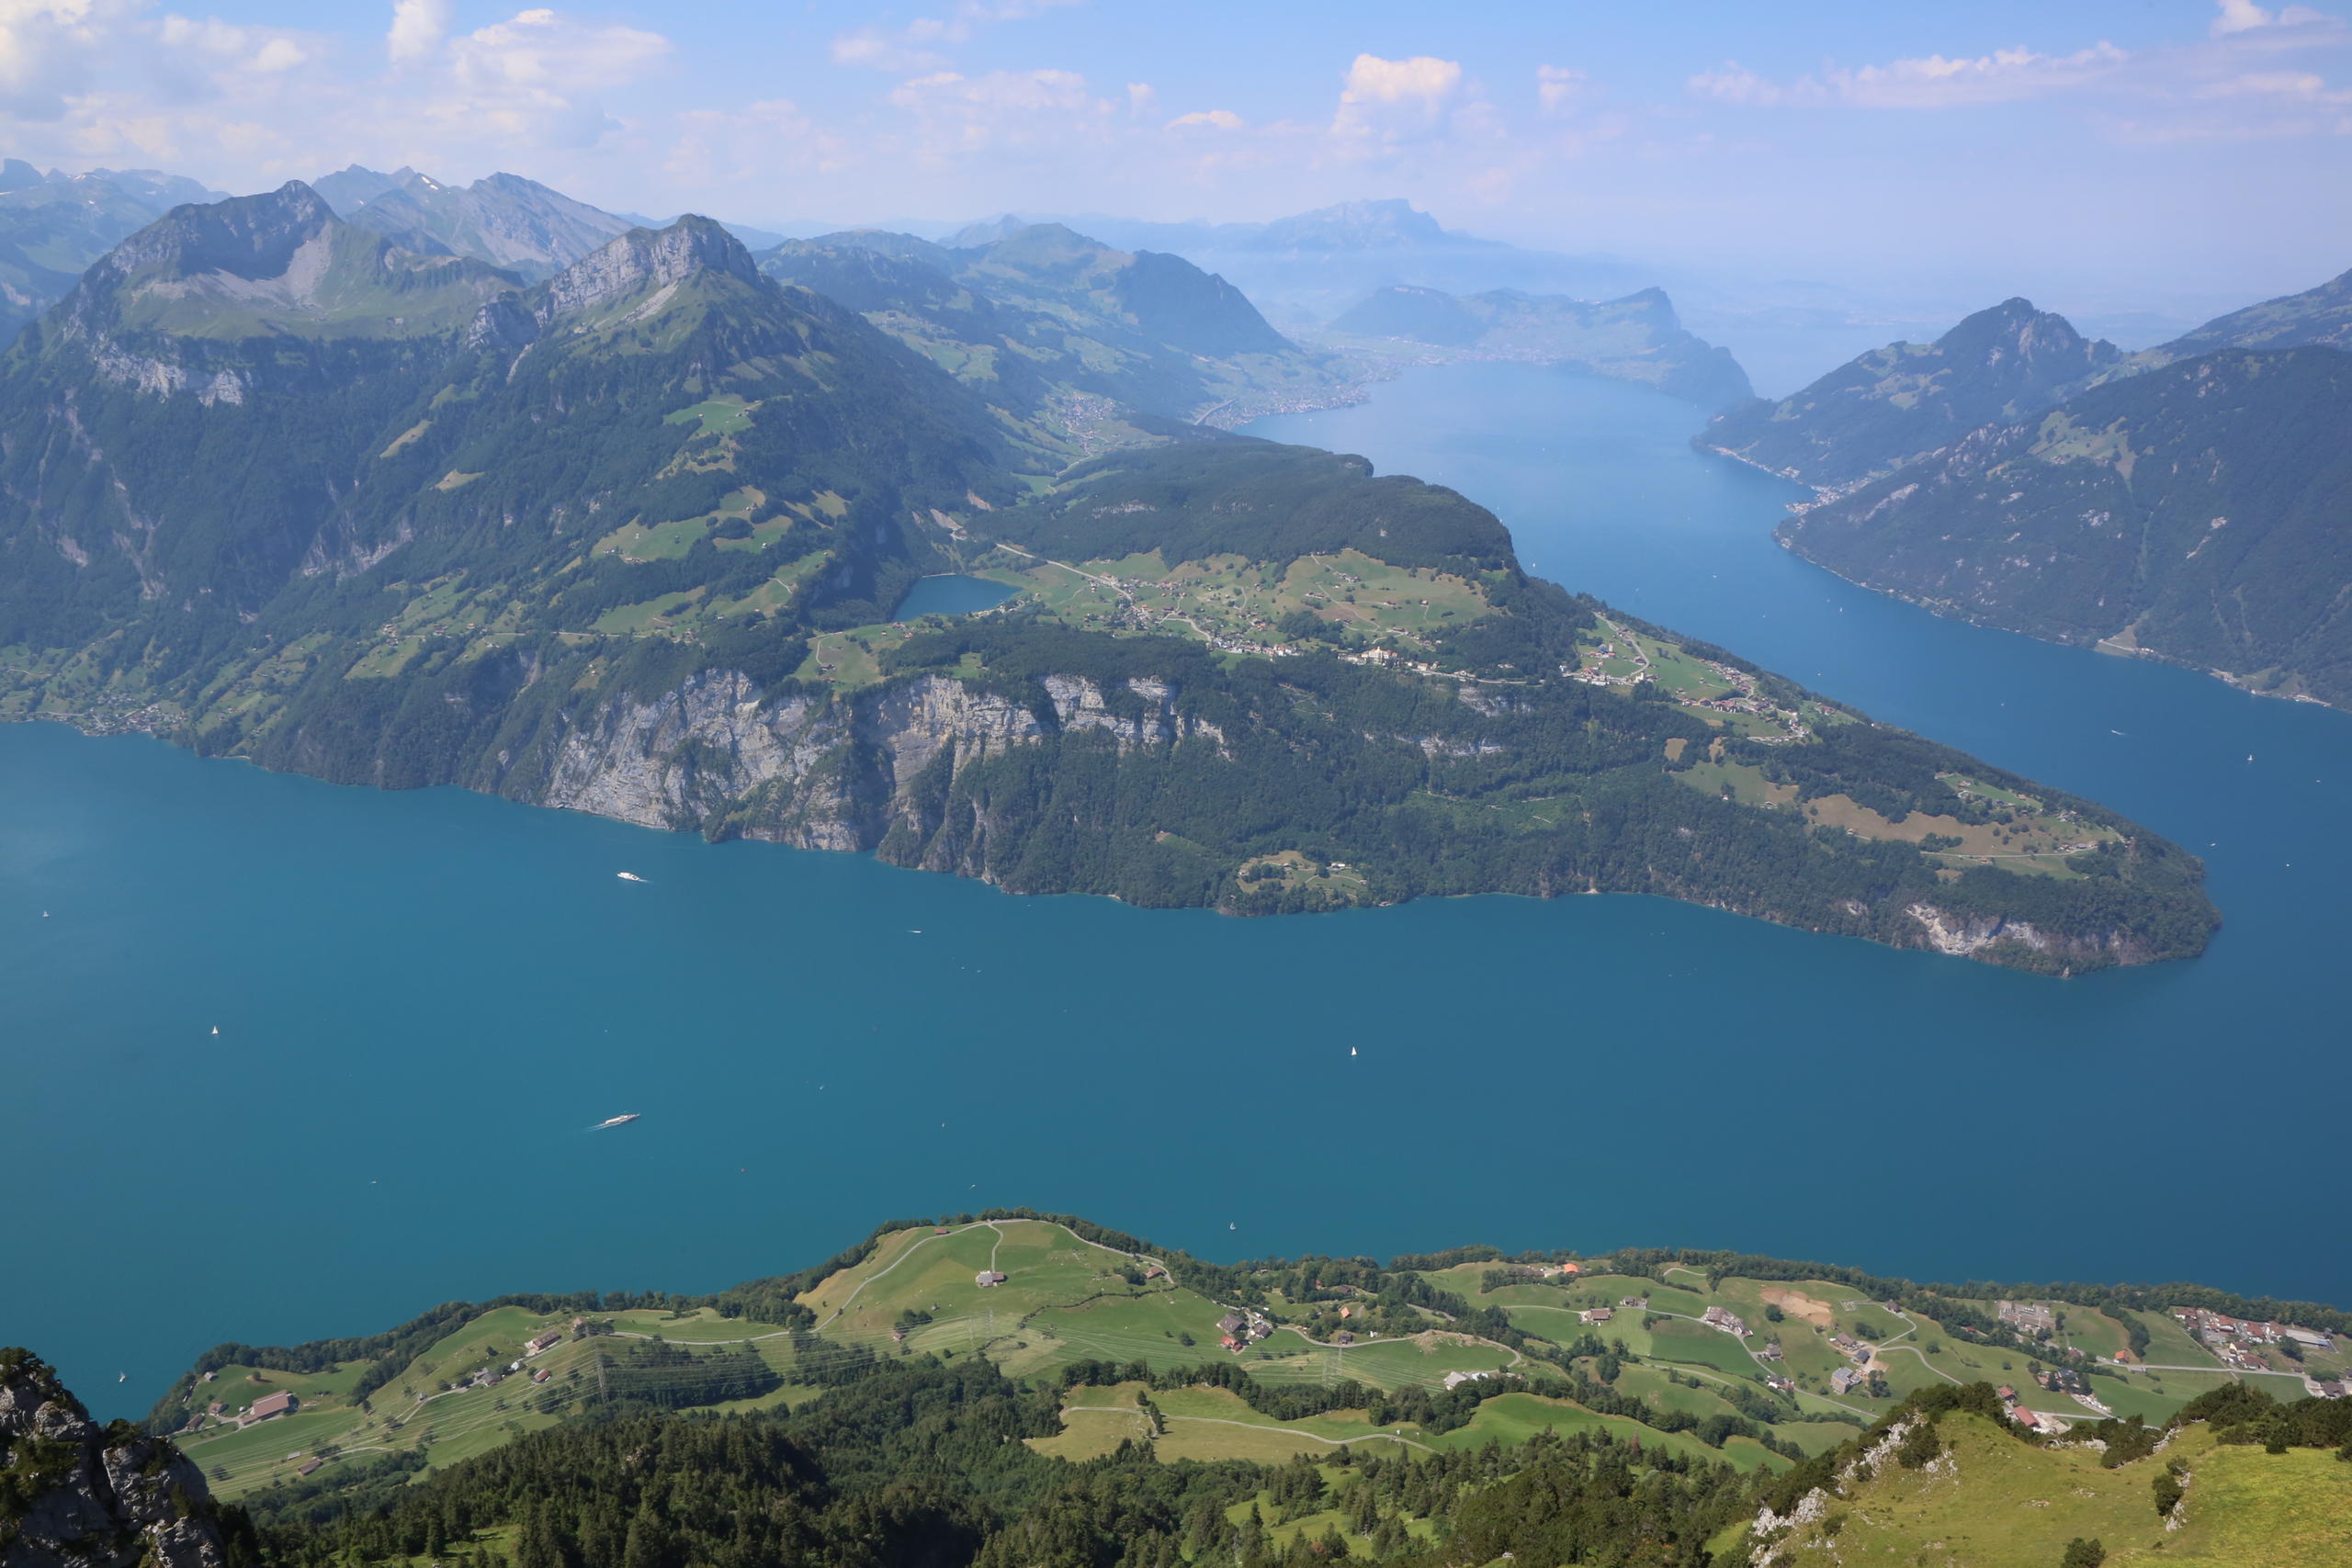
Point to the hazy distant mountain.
(54, 226)
(1315, 264)
(2319, 317)
(352, 187)
(503, 220)
(2196, 512)
(1637, 338)
(753, 238)
(1042, 312)
(1901, 401)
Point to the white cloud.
(539, 49)
(1000, 111)
(1212, 120)
(418, 26)
(1388, 104)
(49, 51)
(1930, 82)
(2244, 16)
(921, 44)
(1558, 86)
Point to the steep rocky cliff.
(825, 774)
(75, 1495)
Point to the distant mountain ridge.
(1316, 265)
(1898, 403)
(52, 226)
(1638, 338)
(1905, 399)
(1042, 311)
(504, 219)
(2194, 511)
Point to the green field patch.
(725, 415)
(1095, 1421)
(1513, 1418)
(851, 659)
(638, 541)
(647, 615)
(938, 1276)
(1742, 782)
(405, 437)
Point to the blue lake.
(423, 999)
(950, 594)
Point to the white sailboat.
(628, 877)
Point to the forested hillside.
(2195, 512)
(629, 540)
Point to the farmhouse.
(1596, 1314)
(987, 1279)
(1719, 1317)
(1845, 1377)
(262, 1409)
(547, 1341)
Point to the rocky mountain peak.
(2041, 345)
(249, 237)
(92, 1497)
(645, 259)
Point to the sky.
(2154, 153)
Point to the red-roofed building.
(281, 1403)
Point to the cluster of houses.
(2236, 1339)
(1852, 1349)
(1242, 1331)
(1725, 1319)
(2034, 1319)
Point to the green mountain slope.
(2195, 512)
(1638, 338)
(1018, 1379)
(628, 541)
(1902, 401)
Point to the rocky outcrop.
(645, 259)
(75, 1495)
(825, 774)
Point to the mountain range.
(630, 539)
(52, 226)
(1638, 338)
(1041, 318)
(2185, 502)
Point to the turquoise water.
(951, 594)
(423, 999)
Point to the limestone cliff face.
(75, 1495)
(828, 773)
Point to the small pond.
(951, 594)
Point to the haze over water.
(423, 1001)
